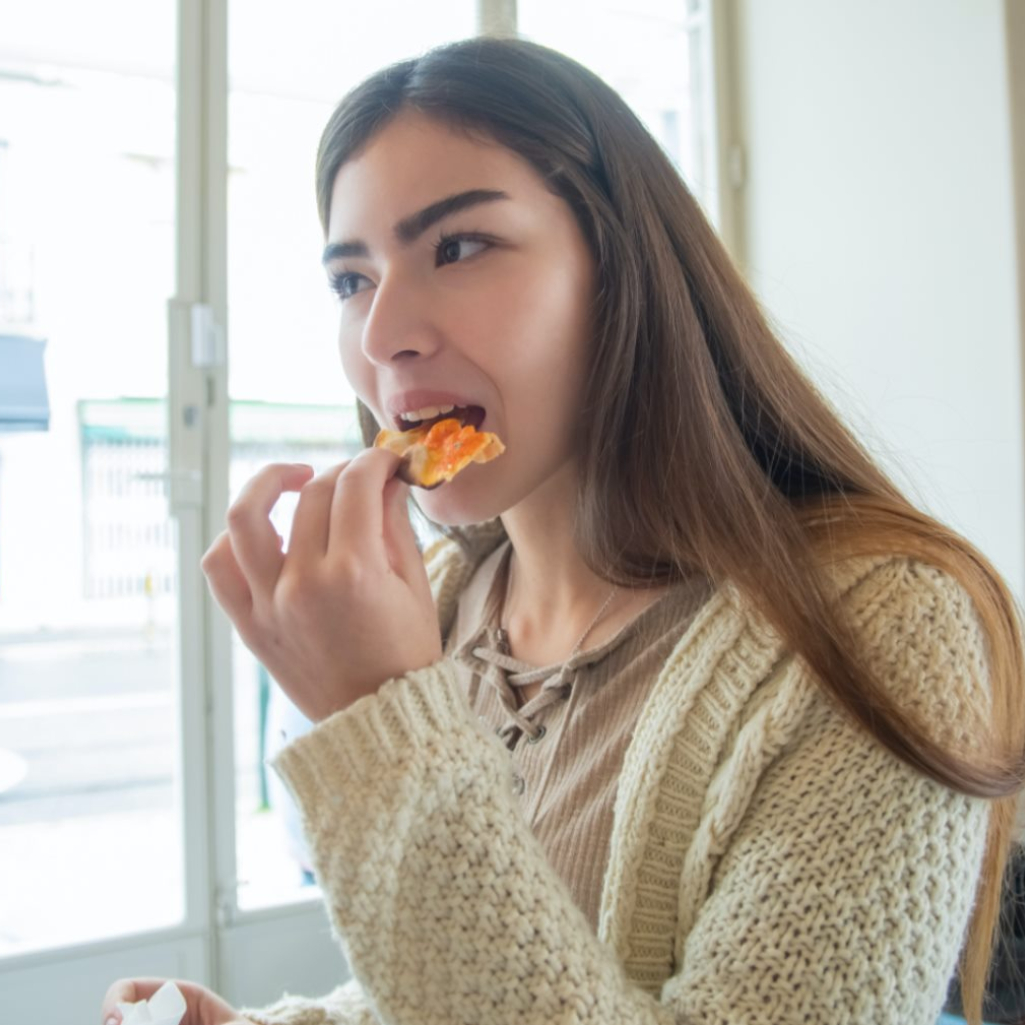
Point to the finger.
(126, 991)
(357, 510)
(226, 580)
(400, 538)
(254, 540)
(311, 523)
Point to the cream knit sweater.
(769, 861)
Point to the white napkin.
(165, 1007)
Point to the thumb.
(403, 553)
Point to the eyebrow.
(409, 229)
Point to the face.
(462, 280)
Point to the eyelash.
(336, 282)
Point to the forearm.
(448, 909)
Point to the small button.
(519, 784)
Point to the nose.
(400, 325)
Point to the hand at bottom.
(203, 1006)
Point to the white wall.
(878, 228)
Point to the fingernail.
(112, 1020)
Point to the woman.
(691, 716)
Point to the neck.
(552, 594)
(547, 575)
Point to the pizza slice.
(434, 453)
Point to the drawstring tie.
(556, 687)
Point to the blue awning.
(24, 405)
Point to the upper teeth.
(427, 413)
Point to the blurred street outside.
(90, 840)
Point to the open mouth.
(468, 416)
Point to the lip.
(407, 401)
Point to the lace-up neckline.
(509, 675)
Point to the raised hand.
(348, 606)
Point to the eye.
(453, 248)
(345, 284)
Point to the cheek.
(356, 367)
(553, 343)
(554, 410)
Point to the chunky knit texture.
(769, 862)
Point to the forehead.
(415, 160)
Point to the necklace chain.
(503, 634)
(594, 622)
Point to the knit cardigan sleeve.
(840, 889)
(345, 1005)
(839, 886)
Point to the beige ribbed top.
(770, 863)
(582, 719)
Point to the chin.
(462, 502)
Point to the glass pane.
(289, 399)
(88, 694)
(652, 53)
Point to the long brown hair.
(702, 444)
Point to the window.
(88, 690)
(122, 819)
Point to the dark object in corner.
(1005, 1003)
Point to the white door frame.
(67, 983)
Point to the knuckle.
(237, 515)
(292, 591)
(362, 463)
(350, 571)
(214, 553)
(317, 485)
(298, 596)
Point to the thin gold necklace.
(503, 633)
